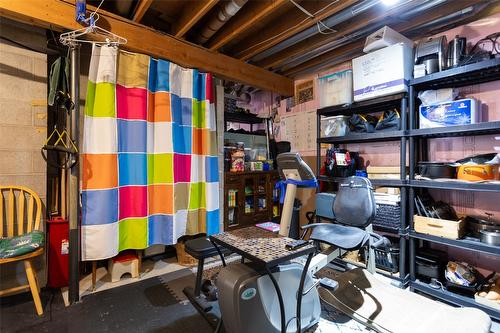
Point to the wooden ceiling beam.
(292, 23)
(59, 15)
(191, 14)
(377, 15)
(246, 19)
(141, 9)
(356, 48)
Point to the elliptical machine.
(249, 303)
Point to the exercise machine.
(286, 298)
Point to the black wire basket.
(387, 259)
(388, 216)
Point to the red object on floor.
(58, 231)
(125, 256)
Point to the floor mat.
(144, 306)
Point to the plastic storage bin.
(334, 126)
(335, 89)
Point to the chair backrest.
(355, 204)
(20, 211)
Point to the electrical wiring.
(320, 24)
(95, 12)
(310, 16)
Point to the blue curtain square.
(160, 229)
(132, 136)
(211, 169)
(133, 169)
(182, 137)
(99, 206)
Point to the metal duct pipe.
(449, 19)
(331, 21)
(219, 19)
(294, 61)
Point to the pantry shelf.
(453, 298)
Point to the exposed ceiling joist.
(356, 48)
(318, 40)
(192, 13)
(289, 26)
(141, 9)
(254, 13)
(59, 15)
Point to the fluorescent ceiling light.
(389, 2)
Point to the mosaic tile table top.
(257, 244)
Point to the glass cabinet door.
(249, 195)
(232, 199)
(261, 193)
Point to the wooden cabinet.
(249, 198)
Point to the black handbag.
(389, 121)
(362, 123)
(355, 203)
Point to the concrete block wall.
(23, 124)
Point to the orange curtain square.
(159, 107)
(100, 171)
(205, 142)
(198, 141)
(160, 199)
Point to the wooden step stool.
(125, 262)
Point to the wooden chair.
(19, 224)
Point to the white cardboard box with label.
(382, 72)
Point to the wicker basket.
(183, 258)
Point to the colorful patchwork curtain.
(150, 170)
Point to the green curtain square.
(203, 110)
(160, 169)
(197, 116)
(197, 197)
(133, 233)
(90, 99)
(103, 103)
(199, 109)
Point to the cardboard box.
(382, 72)
(460, 112)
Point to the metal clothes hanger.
(106, 37)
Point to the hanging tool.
(63, 144)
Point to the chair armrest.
(380, 241)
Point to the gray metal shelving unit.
(371, 106)
(418, 138)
